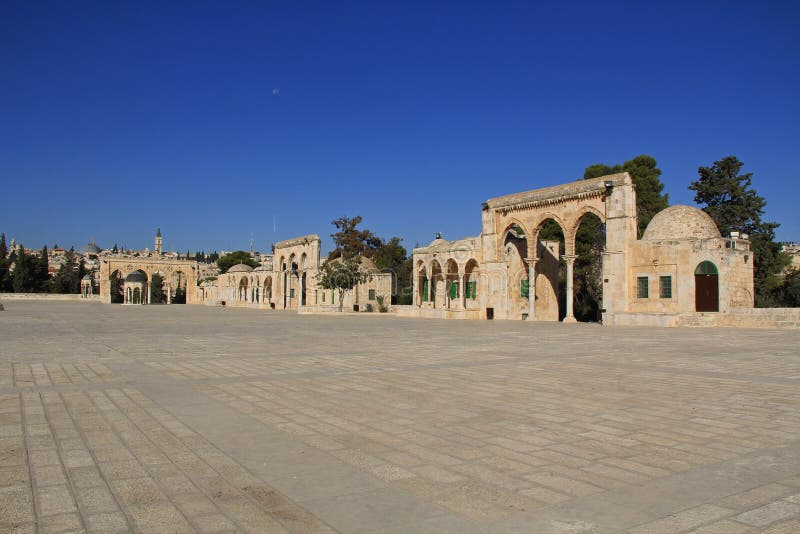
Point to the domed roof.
(681, 222)
(91, 248)
(136, 276)
(240, 268)
(261, 268)
(86, 277)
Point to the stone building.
(131, 276)
(681, 266)
(288, 281)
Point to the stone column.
(463, 290)
(169, 294)
(149, 291)
(531, 287)
(569, 259)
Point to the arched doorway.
(471, 277)
(452, 289)
(550, 283)
(267, 291)
(242, 295)
(437, 283)
(423, 284)
(706, 287)
(589, 245)
(117, 285)
(177, 288)
(137, 288)
(515, 252)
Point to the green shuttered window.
(523, 288)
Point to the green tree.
(728, 197)
(117, 286)
(790, 289)
(157, 294)
(342, 274)
(392, 257)
(234, 258)
(23, 278)
(42, 272)
(5, 277)
(68, 278)
(646, 176)
(352, 242)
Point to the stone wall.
(733, 318)
(48, 296)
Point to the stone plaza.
(209, 419)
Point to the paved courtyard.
(184, 418)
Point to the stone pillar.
(149, 292)
(569, 259)
(531, 287)
(169, 294)
(463, 292)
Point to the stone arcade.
(680, 268)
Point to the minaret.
(158, 242)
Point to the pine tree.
(5, 279)
(43, 272)
(728, 197)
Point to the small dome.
(681, 222)
(86, 277)
(240, 268)
(261, 268)
(136, 276)
(91, 248)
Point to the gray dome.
(681, 222)
(136, 276)
(91, 248)
(86, 277)
(240, 268)
(261, 268)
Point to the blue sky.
(220, 122)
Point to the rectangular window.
(642, 289)
(523, 288)
(453, 290)
(665, 287)
(371, 294)
(323, 296)
(316, 297)
(291, 293)
(425, 290)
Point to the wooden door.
(706, 292)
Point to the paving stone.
(223, 419)
(55, 500)
(770, 513)
(108, 522)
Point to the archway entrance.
(515, 252)
(551, 277)
(117, 285)
(706, 287)
(590, 243)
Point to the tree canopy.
(646, 177)
(234, 258)
(352, 242)
(728, 197)
(342, 274)
(389, 256)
